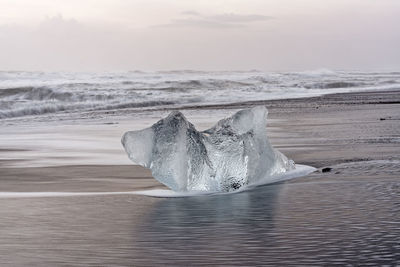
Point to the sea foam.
(39, 93)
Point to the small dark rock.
(235, 185)
(382, 119)
(327, 169)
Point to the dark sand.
(347, 215)
(318, 131)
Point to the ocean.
(91, 95)
(66, 182)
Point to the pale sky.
(268, 35)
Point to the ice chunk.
(233, 153)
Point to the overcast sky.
(268, 35)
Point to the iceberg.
(234, 153)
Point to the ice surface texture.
(233, 153)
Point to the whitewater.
(54, 94)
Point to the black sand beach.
(346, 213)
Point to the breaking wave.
(333, 85)
(36, 93)
(56, 107)
(44, 93)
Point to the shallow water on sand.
(303, 222)
(348, 216)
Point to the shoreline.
(84, 215)
(112, 116)
(363, 97)
(319, 131)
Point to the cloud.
(191, 12)
(227, 20)
(236, 18)
(59, 25)
(200, 23)
(58, 21)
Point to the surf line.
(301, 170)
(59, 194)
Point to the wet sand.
(346, 213)
(318, 131)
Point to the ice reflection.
(224, 224)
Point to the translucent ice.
(233, 153)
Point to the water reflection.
(340, 221)
(226, 224)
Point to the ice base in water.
(233, 153)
